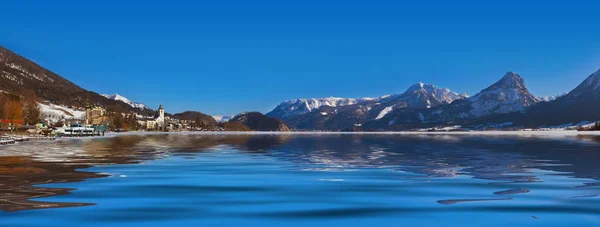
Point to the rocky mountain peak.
(421, 85)
(589, 87)
(507, 95)
(428, 95)
(509, 80)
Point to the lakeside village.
(96, 121)
(30, 120)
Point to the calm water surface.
(300, 180)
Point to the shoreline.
(541, 134)
(564, 132)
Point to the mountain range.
(582, 104)
(340, 113)
(506, 103)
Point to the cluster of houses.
(159, 122)
(98, 116)
(96, 121)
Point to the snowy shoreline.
(537, 133)
(540, 134)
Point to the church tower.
(161, 112)
(160, 120)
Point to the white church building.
(158, 123)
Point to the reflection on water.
(301, 176)
(46, 162)
(18, 175)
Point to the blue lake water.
(302, 180)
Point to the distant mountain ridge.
(507, 102)
(295, 107)
(222, 118)
(550, 98)
(127, 101)
(340, 113)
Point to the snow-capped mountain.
(507, 95)
(417, 96)
(297, 107)
(506, 101)
(118, 97)
(423, 95)
(223, 118)
(550, 98)
(420, 95)
(340, 113)
(580, 105)
(425, 104)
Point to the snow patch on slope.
(53, 113)
(384, 112)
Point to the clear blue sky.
(224, 57)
